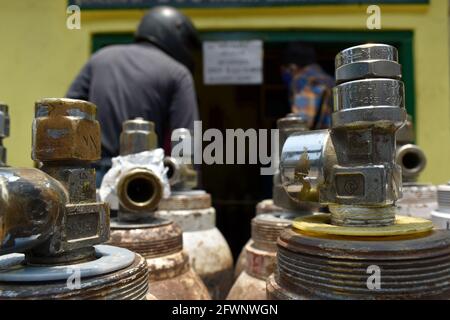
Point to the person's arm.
(79, 89)
(183, 109)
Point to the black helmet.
(171, 31)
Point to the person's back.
(136, 80)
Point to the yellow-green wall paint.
(39, 57)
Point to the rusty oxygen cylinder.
(137, 228)
(260, 256)
(209, 253)
(51, 217)
(256, 261)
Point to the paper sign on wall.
(233, 62)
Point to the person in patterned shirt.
(310, 88)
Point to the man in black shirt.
(150, 78)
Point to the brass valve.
(137, 135)
(52, 214)
(4, 131)
(287, 126)
(139, 190)
(181, 173)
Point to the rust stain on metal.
(170, 275)
(52, 214)
(154, 241)
(208, 250)
(260, 257)
(336, 267)
(186, 202)
(248, 288)
(130, 283)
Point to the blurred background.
(40, 56)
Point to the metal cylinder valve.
(52, 216)
(181, 172)
(4, 131)
(138, 227)
(418, 199)
(139, 190)
(137, 135)
(66, 140)
(409, 156)
(287, 126)
(351, 167)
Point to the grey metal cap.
(138, 124)
(367, 61)
(137, 135)
(364, 52)
(369, 92)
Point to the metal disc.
(403, 226)
(109, 259)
